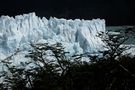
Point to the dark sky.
(115, 12)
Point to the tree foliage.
(113, 71)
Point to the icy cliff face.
(77, 36)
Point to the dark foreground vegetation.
(113, 71)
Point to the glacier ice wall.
(77, 36)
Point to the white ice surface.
(77, 36)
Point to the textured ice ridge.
(77, 36)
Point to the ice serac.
(77, 36)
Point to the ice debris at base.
(77, 36)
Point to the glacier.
(17, 33)
(77, 36)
